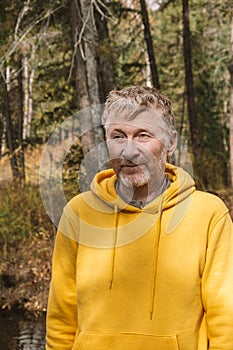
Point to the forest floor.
(25, 272)
(27, 239)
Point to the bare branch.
(80, 36)
(98, 4)
(78, 41)
(24, 10)
(15, 45)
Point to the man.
(143, 260)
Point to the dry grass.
(26, 239)
(26, 273)
(32, 164)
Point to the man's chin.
(133, 180)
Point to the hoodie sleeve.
(62, 304)
(217, 285)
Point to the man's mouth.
(128, 165)
(130, 169)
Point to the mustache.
(124, 162)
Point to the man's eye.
(118, 136)
(143, 136)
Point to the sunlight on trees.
(60, 57)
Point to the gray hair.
(135, 100)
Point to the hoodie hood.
(83, 214)
(181, 187)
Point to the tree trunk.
(1, 137)
(89, 49)
(193, 122)
(13, 115)
(104, 63)
(26, 94)
(83, 99)
(78, 48)
(30, 101)
(28, 79)
(20, 122)
(149, 44)
(9, 125)
(231, 104)
(86, 78)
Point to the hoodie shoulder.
(208, 199)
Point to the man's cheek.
(113, 150)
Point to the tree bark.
(26, 94)
(149, 44)
(20, 124)
(90, 51)
(83, 31)
(193, 122)
(1, 136)
(9, 126)
(231, 104)
(13, 116)
(81, 83)
(90, 44)
(78, 47)
(105, 66)
(27, 80)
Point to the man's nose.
(130, 150)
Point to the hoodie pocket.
(126, 341)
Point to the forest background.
(60, 57)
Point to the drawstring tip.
(110, 284)
(151, 315)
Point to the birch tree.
(17, 69)
(231, 103)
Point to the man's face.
(137, 148)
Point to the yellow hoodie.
(157, 278)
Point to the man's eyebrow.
(117, 130)
(143, 130)
(137, 131)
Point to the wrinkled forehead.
(139, 117)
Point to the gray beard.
(139, 180)
(134, 180)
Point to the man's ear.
(170, 152)
(173, 144)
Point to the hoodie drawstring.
(155, 258)
(114, 246)
(155, 254)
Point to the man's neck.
(142, 195)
